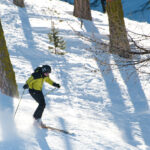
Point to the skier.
(103, 2)
(35, 84)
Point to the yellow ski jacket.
(37, 84)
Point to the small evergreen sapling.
(56, 40)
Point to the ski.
(56, 129)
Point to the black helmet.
(46, 69)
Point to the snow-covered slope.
(104, 110)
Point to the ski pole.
(19, 102)
(50, 91)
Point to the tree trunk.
(19, 3)
(82, 9)
(8, 84)
(119, 43)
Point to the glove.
(56, 85)
(26, 86)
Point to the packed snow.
(104, 109)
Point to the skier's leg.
(39, 97)
(39, 110)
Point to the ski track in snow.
(104, 110)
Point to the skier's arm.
(48, 80)
(30, 81)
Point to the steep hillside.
(104, 107)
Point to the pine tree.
(56, 40)
(19, 3)
(82, 9)
(8, 83)
(119, 43)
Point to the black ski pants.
(39, 97)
